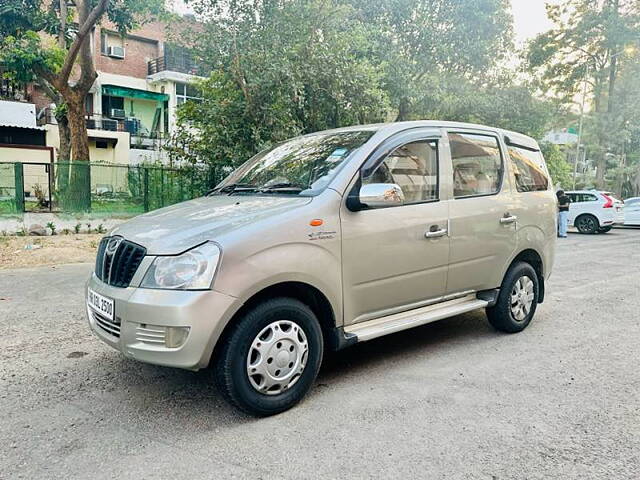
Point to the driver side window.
(414, 168)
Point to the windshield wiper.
(234, 187)
(283, 187)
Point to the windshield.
(302, 166)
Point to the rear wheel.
(271, 357)
(517, 300)
(605, 229)
(587, 224)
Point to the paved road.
(452, 399)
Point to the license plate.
(102, 305)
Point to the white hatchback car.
(632, 211)
(592, 211)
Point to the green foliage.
(301, 68)
(24, 56)
(559, 168)
(284, 68)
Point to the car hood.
(184, 225)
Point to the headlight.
(192, 270)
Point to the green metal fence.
(8, 189)
(100, 189)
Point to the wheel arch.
(533, 258)
(311, 296)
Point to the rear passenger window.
(582, 197)
(477, 164)
(529, 170)
(414, 168)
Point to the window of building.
(111, 44)
(187, 91)
(180, 59)
(414, 168)
(111, 105)
(529, 169)
(88, 103)
(477, 164)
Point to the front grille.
(117, 261)
(109, 326)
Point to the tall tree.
(424, 42)
(587, 44)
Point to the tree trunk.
(403, 110)
(64, 152)
(79, 192)
(78, 129)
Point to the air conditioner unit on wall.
(117, 113)
(115, 52)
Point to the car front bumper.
(144, 318)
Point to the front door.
(482, 222)
(632, 213)
(389, 264)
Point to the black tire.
(605, 229)
(230, 365)
(587, 223)
(501, 315)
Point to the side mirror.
(377, 195)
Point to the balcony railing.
(139, 134)
(171, 63)
(12, 91)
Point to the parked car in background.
(632, 211)
(326, 240)
(592, 211)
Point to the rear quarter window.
(529, 169)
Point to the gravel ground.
(453, 399)
(19, 252)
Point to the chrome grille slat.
(146, 329)
(146, 340)
(151, 335)
(105, 324)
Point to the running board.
(420, 316)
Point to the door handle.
(508, 219)
(435, 232)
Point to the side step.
(379, 327)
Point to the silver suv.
(326, 240)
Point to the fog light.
(176, 336)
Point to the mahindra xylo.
(326, 240)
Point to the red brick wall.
(138, 51)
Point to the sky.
(529, 18)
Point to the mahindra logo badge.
(113, 245)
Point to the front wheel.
(517, 300)
(271, 357)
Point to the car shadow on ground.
(174, 394)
